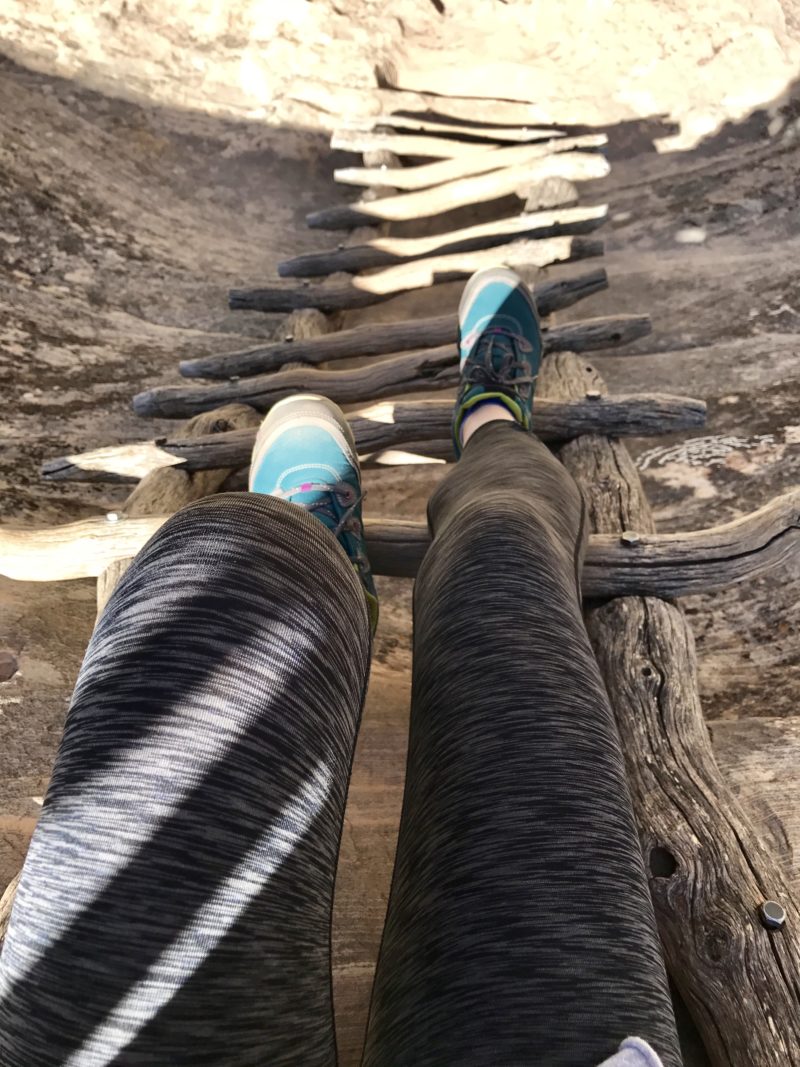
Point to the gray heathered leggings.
(176, 901)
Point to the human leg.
(520, 929)
(175, 904)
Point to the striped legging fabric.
(175, 906)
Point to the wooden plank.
(688, 562)
(375, 338)
(426, 370)
(422, 273)
(424, 424)
(338, 296)
(479, 162)
(478, 189)
(708, 869)
(421, 123)
(385, 251)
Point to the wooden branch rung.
(374, 338)
(342, 296)
(574, 166)
(387, 251)
(419, 274)
(403, 144)
(666, 565)
(521, 134)
(428, 369)
(480, 162)
(424, 424)
(587, 335)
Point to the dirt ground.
(122, 227)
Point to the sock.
(485, 411)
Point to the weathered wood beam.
(520, 134)
(338, 296)
(709, 872)
(375, 338)
(411, 372)
(424, 424)
(700, 561)
(587, 335)
(421, 273)
(386, 251)
(327, 98)
(480, 188)
(6, 900)
(403, 144)
(479, 162)
(166, 487)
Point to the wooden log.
(338, 296)
(478, 189)
(376, 338)
(402, 144)
(709, 871)
(518, 134)
(167, 488)
(421, 273)
(330, 99)
(385, 251)
(6, 900)
(479, 162)
(411, 372)
(678, 563)
(424, 424)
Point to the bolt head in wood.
(594, 395)
(772, 914)
(628, 537)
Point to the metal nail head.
(628, 537)
(594, 395)
(772, 914)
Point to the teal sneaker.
(305, 453)
(500, 344)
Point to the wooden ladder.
(710, 874)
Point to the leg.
(520, 928)
(175, 904)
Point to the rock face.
(698, 64)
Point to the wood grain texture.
(403, 144)
(421, 273)
(478, 162)
(82, 549)
(441, 127)
(6, 900)
(385, 251)
(168, 488)
(478, 189)
(428, 369)
(709, 871)
(425, 423)
(371, 339)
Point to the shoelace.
(511, 370)
(338, 496)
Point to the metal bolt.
(772, 914)
(594, 395)
(289, 337)
(628, 537)
(112, 516)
